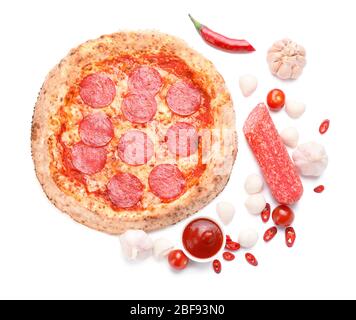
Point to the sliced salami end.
(183, 99)
(96, 130)
(145, 79)
(135, 148)
(182, 139)
(167, 182)
(97, 90)
(125, 190)
(87, 159)
(278, 169)
(139, 108)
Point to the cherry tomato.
(178, 260)
(276, 99)
(283, 216)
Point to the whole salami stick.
(278, 169)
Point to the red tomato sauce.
(202, 238)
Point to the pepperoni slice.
(145, 79)
(183, 99)
(139, 107)
(87, 159)
(167, 182)
(125, 190)
(96, 130)
(135, 148)
(97, 90)
(182, 139)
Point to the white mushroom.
(290, 137)
(286, 59)
(248, 84)
(248, 238)
(255, 203)
(161, 247)
(253, 184)
(225, 211)
(294, 109)
(136, 244)
(311, 159)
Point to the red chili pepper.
(250, 258)
(319, 189)
(228, 238)
(228, 256)
(324, 126)
(232, 246)
(266, 213)
(221, 42)
(270, 234)
(290, 237)
(217, 266)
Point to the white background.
(43, 254)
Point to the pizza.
(133, 130)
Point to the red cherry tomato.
(178, 260)
(276, 99)
(283, 216)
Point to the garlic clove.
(248, 84)
(255, 204)
(225, 211)
(284, 72)
(253, 184)
(296, 72)
(294, 109)
(290, 137)
(273, 56)
(162, 247)
(248, 238)
(274, 66)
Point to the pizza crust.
(52, 95)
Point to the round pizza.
(133, 130)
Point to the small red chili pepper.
(217, 266)
(324, 126)
(250, 258)
(228, 256)
(232, 246)
(290, 237)
(266, 213)
(319, 189)
(270, 234)
(221, 42)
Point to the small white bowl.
(190, 256)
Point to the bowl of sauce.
(203, 239)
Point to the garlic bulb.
(136, 244)
(311, 159)
(286, 59)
